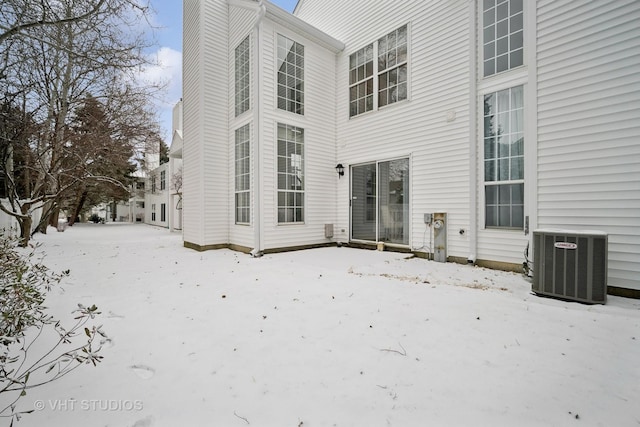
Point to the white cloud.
(166, 71)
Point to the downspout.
(257, 121)
(473, 137)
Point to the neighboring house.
(175, 170)
(507, 116)
(136, 198)
(162, 201)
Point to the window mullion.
(375, 76)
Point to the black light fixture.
(340, 170)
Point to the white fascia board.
(282, 17)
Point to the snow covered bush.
(24, 282)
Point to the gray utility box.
(570, 265)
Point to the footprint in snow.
(107, 343)
(145, 422)
(113, 315)
(143, 371)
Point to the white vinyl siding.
(589, 125)
(438, 148)
(206, 159)
(318, 122)
(193, 216)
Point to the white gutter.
(257, 121)
(261, 11)
(473, 138)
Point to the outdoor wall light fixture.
(340, 170)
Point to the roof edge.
(286, 19)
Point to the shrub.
(24, 282)
(96, 219)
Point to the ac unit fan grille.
(575, 270)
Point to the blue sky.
(168, 20)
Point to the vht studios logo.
(106, 405)
(565, 245)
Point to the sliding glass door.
(380, 202)
(363, 202)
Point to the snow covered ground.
(327, 337)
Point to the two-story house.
(348, 121)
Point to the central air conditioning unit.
(570, 265)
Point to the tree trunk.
(47, 209)
(76, 212)
(114, 211)
(25, 231)
(25, 225)
(55, 215)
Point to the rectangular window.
(378, 73)
(290, 75)
(243, 175)
(153, 212)
(502, 35)
(361, 81)
(163, 212)
(392, 67)
(243, 76)
(153, 183)
(504, 158)
(163, 180)
(290, 174)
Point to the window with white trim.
(163, 180)
(163, 212)
(502, 35)
(361, 81)
(153, 212)
(290, 174)
(242, 76)
(392, 67)
(378, 73)
(243, 175)
(290, 75)
(504, 158)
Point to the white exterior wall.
(205, 152)
(159, 197)
(418, 128)
(9, 225)
(581, 80)
(318, 122)
(588, 72)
